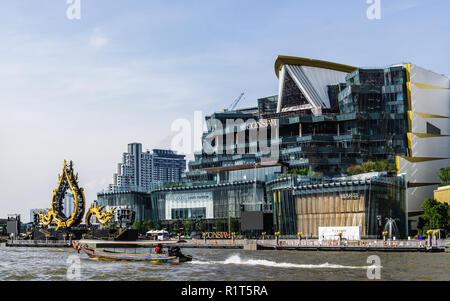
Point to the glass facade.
(367, 120)
(218, 201)
(260, 174)
(139, 202)
(303, 205)
(186, 213)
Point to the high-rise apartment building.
(145, 170)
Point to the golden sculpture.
(102, 217)
(69, 181)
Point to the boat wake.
(237, 260)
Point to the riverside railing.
(39, 242)
(359, 243)
(308, 243)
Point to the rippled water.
(233, 265)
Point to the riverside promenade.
(280, 244)
(315, 245)
(39, 243)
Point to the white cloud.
(98, 38)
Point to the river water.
(227, 265)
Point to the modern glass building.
(328, 117)
(325, 121)
(140, 202)
(211, 203)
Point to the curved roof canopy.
(290, 60)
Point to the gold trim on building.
(424, 115)
(409, 137)
(290, 60)
(424, 135)
(424, 86)
(421, 159)
(397, 164)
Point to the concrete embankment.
(314, 245)
(39, 244)
(282, 244)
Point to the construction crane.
(235, 103)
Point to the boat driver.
(158, 249)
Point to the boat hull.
(116, 256)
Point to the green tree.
(381, 165)
(368, 166)
(218, 223)
(435, 215)
(158, 225)
(147, 225)
(138, 226)
(177, 225)
(392, 167)
(355, 170)
(201, 226)
(444, 174)
(234, 224)
(422, 226)
(187, 226)
(300, 172)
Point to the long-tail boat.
(107, 250)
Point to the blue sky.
(83, 89)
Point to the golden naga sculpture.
(67, 181)
(102, 217)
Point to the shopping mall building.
(290, 155)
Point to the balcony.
(292, 150)
(297, 162)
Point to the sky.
(82, 89)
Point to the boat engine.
(176, 251)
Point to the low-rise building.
(442, 194)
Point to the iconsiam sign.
(69, 181)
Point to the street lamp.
(340, 237)
(429, 232)
(378, 225)
(435, 233)
(277, 234)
